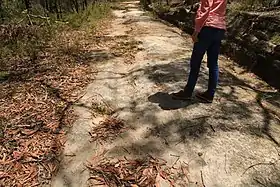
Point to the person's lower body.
(210, 42)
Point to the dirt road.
(232, 142)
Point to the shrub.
(89, 16)
(24, 34)
(276, 39)
(239, 5)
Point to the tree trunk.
(76, 5)
(1, 10)
(145, 3)
(275, 3)
(60, 9)
(86, 3)
(27, 4)
(47, 5)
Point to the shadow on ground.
(230, 103)
(239, 107)
(43, 66)
(165, 101)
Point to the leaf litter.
(35, 112)
(107, 130)
(145, 172)
(36, 99)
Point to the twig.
(175, 162)
(277, 151)
(105, 179)
(165, 142)
(202, 180)
(270, 163)
(226, 163)
(71, 155)
(6, 125)
(212, 128)
(174, 155)
(183, 168)
(20, 21)
(38, 16)
(258, 181)
(182, 139)
(126, 150)
(103, 100)
(29, 19)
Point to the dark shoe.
(181, 95)
(205, 96)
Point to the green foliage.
(19, 41)
(3, 76)
(89, 16)
(276, 39)
(24, 34)
(242, 5)
(151, 14)
(162, 7)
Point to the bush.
(89, 16)
(162, 7)
(239, 5)
(24, 34)
(276, 39)
(20, 41)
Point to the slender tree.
(27, 4)
(85, 3)
(1, 10)
(76, 5)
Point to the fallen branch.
(258, 164)
(38, 16)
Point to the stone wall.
(248, 40)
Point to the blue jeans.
(209, 40)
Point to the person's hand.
(195, 37)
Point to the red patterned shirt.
(211, 13)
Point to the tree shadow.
(158, 138)
(228, 113)
(168, 130)
(267, 101)
(73, 57)
(269, 179)
(174, 74)
(181, 130)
